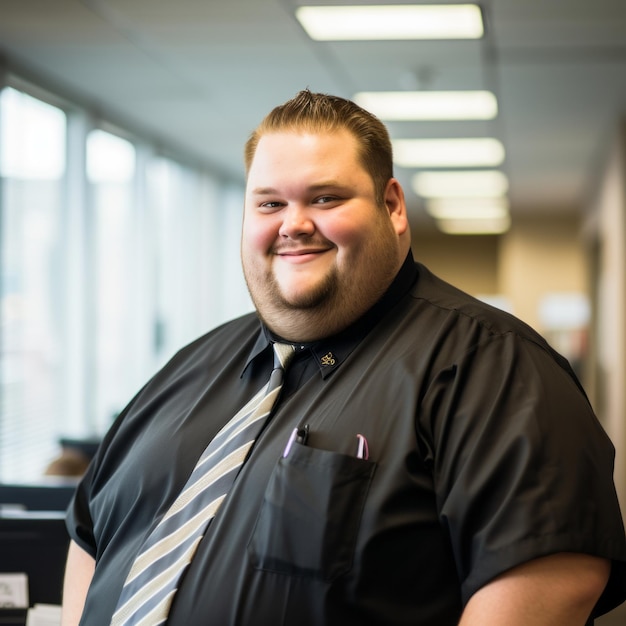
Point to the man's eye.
(271, 205)
(325, 199)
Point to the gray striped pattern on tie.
(155, 575)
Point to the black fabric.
(310, 514)
(484, 453)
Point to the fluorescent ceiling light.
(429, 105)
(475, 227)
(482, 152)
(468, 208)
(481, 184)
(423, 21)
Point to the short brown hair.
(316, 113)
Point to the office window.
(171, 200)
(32, 167)
(111, 259)
(114, 244)
(188, 254)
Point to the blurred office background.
(122, 124)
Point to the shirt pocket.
(311, 512)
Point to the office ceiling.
(200, 74)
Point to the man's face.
(314, 244)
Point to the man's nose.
(297, 221)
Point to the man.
(448, 469)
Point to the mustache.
(300, 245)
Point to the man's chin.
(304, 297)
(301, 300)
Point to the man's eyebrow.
(264, 191)
(327, 184)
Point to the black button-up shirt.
(483, 453)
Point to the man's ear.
(396, 205)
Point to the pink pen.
(362, 451)
(292, 438)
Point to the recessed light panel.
(475, 227)
(405, 21)
(468, 208)
(480, 184)
(429, 105)
(481, 152)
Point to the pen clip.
(302, 434)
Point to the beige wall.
(469, 263)
(540, 257)
(535, 258)
(607, 221)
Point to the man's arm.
(557, 590)
(78, 574)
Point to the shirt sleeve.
(522, 467)
(78, 520)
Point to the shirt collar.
(330, 352)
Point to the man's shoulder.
(445, 299)
(468, 322)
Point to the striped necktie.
(155, 575)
